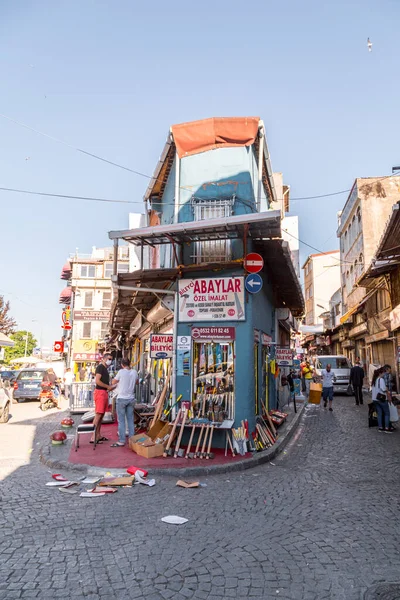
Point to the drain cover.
(383, 591)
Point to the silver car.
(341, 368)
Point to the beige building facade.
(321, 281)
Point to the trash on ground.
(174, 520)
(133, 470)
(117, 481)
(102, 490)
(58, 483)
(140, 479)
(188, 484)
(59, 477)
(67, 490)
(90, 495)
(91, 479)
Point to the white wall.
(137, 220)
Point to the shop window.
(349, 237)
(353, 227)
(345, 241)
(214, 250)
(361, 263)
(88, 271)
(123, 267)
(106, 302)
(214, 380)
(87, 330)
(88, 302)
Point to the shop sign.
(183, 355)
(213, 333)
(256, 335)
(91, 315)
(85, 346)
(219, 299)
(66, 318)
(395, 318)
(266, 339)
(86, 356)
(284, 356)
(161, 345)
(58, 346)
(253, 263)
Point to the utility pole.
(26, 344)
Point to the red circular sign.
(253, 263)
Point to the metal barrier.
(80, 396)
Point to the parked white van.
(340, 366)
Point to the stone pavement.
(319, 522)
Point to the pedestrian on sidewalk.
(100, 395)
(328, 379)
(308, 372)
(356, 380)
(126, 380)
(387, 376)
(68, 380)
(379, 398)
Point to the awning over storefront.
(65, 296)
(355, 308)
(6, 341)
(66, 271)
(259, 226)
(217, 132)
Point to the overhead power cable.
(139, 173)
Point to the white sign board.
(214, 299)
(183, 342)
(161, 345)
(284, 356)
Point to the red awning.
(66, 271)
(65, 296)
(218, 132)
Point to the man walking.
(308, 375)
(387, 376)
(126, 378)
(68, 380)
(356, 380)
(328, 378)
(102, 387)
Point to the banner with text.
(216, 299)
(161, 345)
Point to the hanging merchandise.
(213, 375)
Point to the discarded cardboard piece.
(116, 481)
(102, 490)
(188, 484)
(152, 444)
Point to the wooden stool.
(84, 428)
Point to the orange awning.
(217, 132)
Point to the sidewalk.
(104, 457)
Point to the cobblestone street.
(320, 522)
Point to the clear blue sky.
(111, 77)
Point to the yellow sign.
(84, 346)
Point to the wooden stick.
(196, 454)
(172, 434)
(230, 442)
(202, 453)
(161, 400)
(178, 441)
(190, 441)
(226, 443)
(210, 442)
(272, 426)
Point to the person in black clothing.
(356, 380)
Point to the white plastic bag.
(394, 415)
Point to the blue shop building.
(213, 201)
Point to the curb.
(242, 465)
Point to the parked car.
(4, 404)
(341, 367)
(11, 376)
(28, 384)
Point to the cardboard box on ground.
(150, 445)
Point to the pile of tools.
(204, 439)
(265, 435)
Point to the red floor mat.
(121, 458)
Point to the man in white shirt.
(68, 380)
(328, 378)
(126, 378)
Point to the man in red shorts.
(102, 387)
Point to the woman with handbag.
(379, 398)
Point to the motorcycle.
(48, 396)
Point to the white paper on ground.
(174, 520)
(91, 479)
(91, 494)
(140, 479)
(58, 483)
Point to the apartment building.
(321, 281)
(89, 295)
